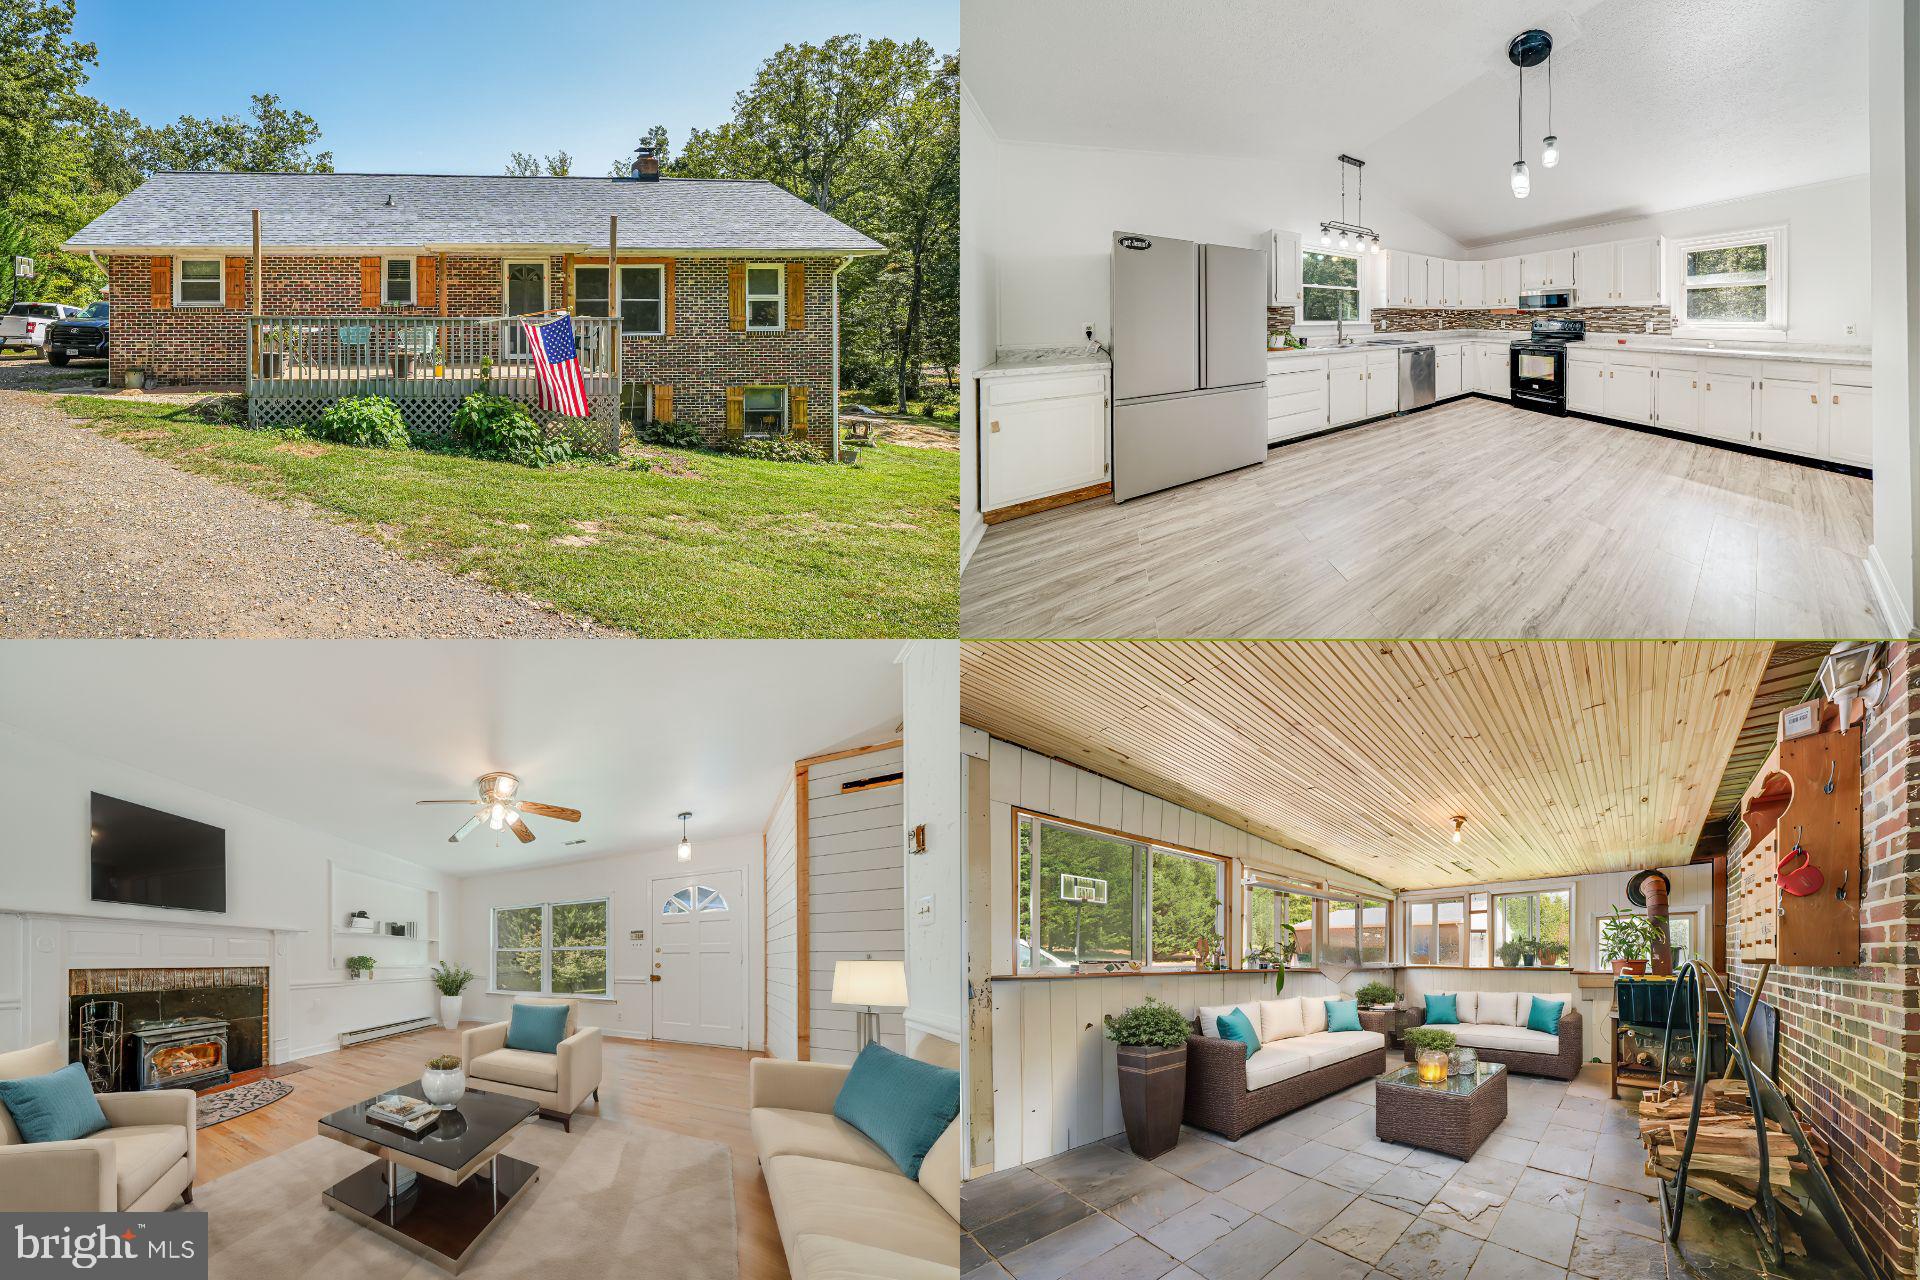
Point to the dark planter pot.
(1153, 1096)
(271, 363)
(402, 365)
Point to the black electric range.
(1538, 365)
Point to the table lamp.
(872, 985)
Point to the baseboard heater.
(385, 1029)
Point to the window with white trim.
(693, 900)
(1436, 931)
(1682, 929)
(1329, 286)
(552, 948)
(1270, 909)
(396, 286)
(200, 282)
(1533, 929)
(764, 411)
(766, 296)
(642, 296)
(1734, 281)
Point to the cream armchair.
(558, 1082)
(139, 1164)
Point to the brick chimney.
(646, 167)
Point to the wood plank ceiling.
(1565, 757)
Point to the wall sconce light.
(1844, 675)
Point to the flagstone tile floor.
(1558, 1192)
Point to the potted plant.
(1277, 956)
(1377, 995)
(360, 922)
(359, 966)
(1152, 1062)
(275, 342)
(1516, 953)
(1431, 1051)
(452, 979)
(444, 1082)
(1627, 942)
(1550, 952)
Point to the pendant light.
(1520, 180)
(1529, 49)
(1550, 145)
(1353, 235)
(685, 852)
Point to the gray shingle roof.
(352, 210)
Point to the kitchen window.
(551, 948)
(1358, 932)
(1330, 286)
(1270, 906)
(642, 296)
(1734, 281)
(766, 297)
(200, 282)
(397, 286)
(1533, 929)
(1091, 897)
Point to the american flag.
(557, 363)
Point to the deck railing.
(298, 365)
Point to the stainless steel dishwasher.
(1416, 378)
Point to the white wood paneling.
(783, 1010)
(856, 880)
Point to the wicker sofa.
(1299, 1061)
(1494, 1025)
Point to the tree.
(657, 139)
(273, 140)
(522, 165)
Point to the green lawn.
(703, 545)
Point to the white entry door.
(525, 288)
(700, 959)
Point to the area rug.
(613, 1199)
(212, 1108)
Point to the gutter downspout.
(835, 408)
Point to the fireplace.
(181, 1053)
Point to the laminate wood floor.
(689, 1089)
(1474, 519)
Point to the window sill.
(540, 995)
(1763, 332)
(201, 306)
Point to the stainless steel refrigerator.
(1189, 361)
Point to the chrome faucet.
(1340, 338)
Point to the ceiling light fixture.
(1528, 49)
(1550, 145)
(685, 852)
(1459, 821)
(1353, 235)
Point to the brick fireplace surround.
(236, 995)
(1850, 1038)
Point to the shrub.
(671, 435)
(370, 422)
(500, 429)
(452, 979)
(1153, 1022)
(224, 411)
(1376, 993)
(1431, 1038)
(775, 449)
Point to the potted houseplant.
(1430, 1049)
(1549, 953)
(1377, 995)
(451, 979)
(1517, 953)
(1152, 1062)
(444, 1082)
(1276, 956)
(359, 966)
(1626, 942)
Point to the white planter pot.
(444, 1088)
(449, 1012)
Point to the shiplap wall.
(783, 1028)
(1054, 1086)
(857, 890)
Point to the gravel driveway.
(98, 539)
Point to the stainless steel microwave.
(1547, 300)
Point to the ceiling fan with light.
(500, 807)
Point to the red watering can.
(1803, 879)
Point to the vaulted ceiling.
(1564, 757)
(1658, 105)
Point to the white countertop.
(1596, 342)
(1023, 363)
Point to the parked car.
(79, 337)
(26, 323)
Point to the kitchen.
(1569, 325)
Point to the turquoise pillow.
(57, 1107)
(1441, 1011)
(1343, 1015)
(1545, 1016)
(903, 1104)
(537, 1028)
(1236, 1025)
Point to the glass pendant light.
(685, 852)
(1375, 246)
(1550, 145)
(1520, 179)
(1325, 239)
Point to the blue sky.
(428, 87)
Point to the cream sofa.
(844, 1210)
(559, 1082)
(1494, 1025)
(142, 1163)
(1298, 1061)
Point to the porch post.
(613, 313)
(259, 284)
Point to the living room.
(507, 955)
(1355, 959)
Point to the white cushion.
(1466, 1005)
(1281, 1019)
(1210, 1015)
(1278, 1061)
(1328, 1047)
(523, 1067)
(1492, 1036)
(1501, 1008)
(1314, 1014)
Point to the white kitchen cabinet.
(1407, 280)
(1726, 402)
(1593, 274)
(1789, 415)
(1629, 390)
(1346, 389)
(1850, 418)
(1443, 283)
(1046, 434)
(1676, 394)
(1383, 383)
(1446, 372)
(1496, 369)
(1509, 282)
(1394, 292)
(1296, 397)
(1587, 386)
(1549, 269)
(1636, 272)
(1473, 284)
(1418, 267)
(1283, 269)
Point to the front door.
(699, 976)
(526, 293)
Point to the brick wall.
(1599, 319)
(703, 357)
(1850, 1037)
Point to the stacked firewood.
(1726, 1146)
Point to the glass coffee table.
(1452, 1116)
(437, 1193)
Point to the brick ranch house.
(729, 294)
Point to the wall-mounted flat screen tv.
(153, 859)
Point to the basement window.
(1735, 281)
(764, 411)
(1330, 286)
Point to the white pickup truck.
(26, 323)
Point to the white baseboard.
(1886, 597)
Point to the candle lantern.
(1432, 1066)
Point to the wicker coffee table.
(1453, 1117)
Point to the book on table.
(402, 1112)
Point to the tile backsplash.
(1599, 319)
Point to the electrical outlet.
(923, 911)
(1853, 330)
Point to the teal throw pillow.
(1545, 1016)
(56, 1107)
(901, 1103)
(1343, 1015)
(1236, 1025)
(1441, 1011)
(537, 1028)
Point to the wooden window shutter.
(662, 403)
(737, 295)
(369, 282)
(666, 288)
(797, 412)
(236, 271)
(426, 281)
(796, 295)
(736, 411)
(162, 272)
